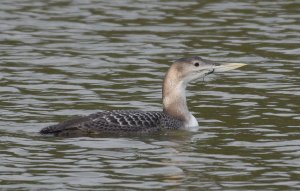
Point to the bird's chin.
(199, 75)
(210, 72)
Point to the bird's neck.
(174, 98)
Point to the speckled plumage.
(117, 121)
(175, 112)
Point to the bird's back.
(118, 121)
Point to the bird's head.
(189, 69)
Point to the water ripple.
(66, 58)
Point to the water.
(66, 58)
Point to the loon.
(175, 113)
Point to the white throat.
(192, 122)
(174, 99)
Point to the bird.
(174, 114)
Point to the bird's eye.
(196, 64)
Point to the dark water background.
(62, 58)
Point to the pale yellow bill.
(228, 66)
